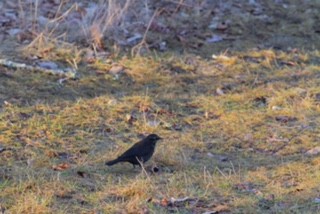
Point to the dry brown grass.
(237, 126)
(227, 150)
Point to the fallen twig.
(68, 72)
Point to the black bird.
(139, 153)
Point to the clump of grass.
(31, 203)
(133, 195)
(51, 37)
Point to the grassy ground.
(241, 129)
(237, 130)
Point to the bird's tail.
(110, 163)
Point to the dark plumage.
(139, 152)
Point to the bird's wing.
(133, 151)
(136, 150)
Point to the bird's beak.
(160, 138)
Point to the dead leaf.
(285, 119)
(61, 167)
(130, 118)
(313, 151)
(289, 63)
(221, 208)
(164, 202)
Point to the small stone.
(116, 69)
(13, 31)
(276, 108)
(153, 123)
(317, 200)
(219, 91)
(48, 65)
(210, 154)
(2, 149)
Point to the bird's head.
(154, 137)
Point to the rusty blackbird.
(139, 152)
